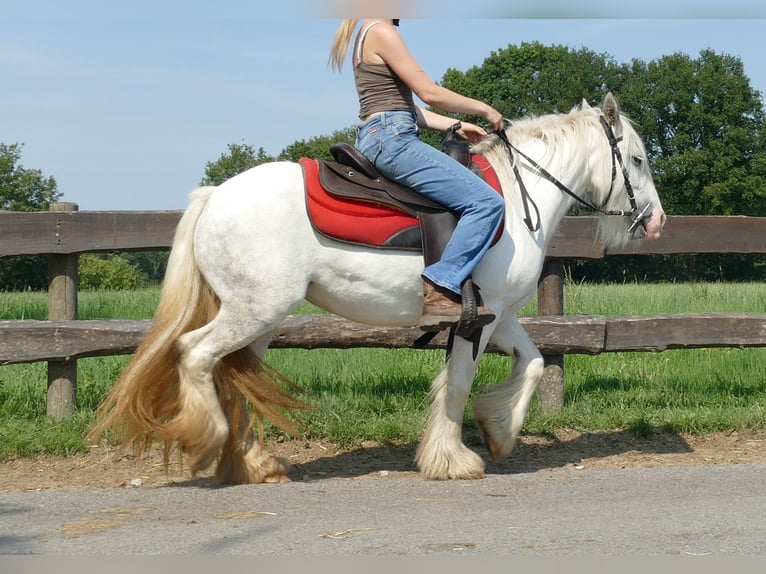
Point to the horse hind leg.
(219, 373)
(243, 458)
(501, 411)
(200, 427)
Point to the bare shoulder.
(382, 39)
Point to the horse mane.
(555, 131)
(551, 129)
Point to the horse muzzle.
(646, 224)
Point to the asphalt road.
(703, 510)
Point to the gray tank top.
(378, 87)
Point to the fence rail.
(30, 341)
(64, 233)
(73, 232)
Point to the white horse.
(245, 255)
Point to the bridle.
(638, 216)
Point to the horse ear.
(584, 105)
(611, 111)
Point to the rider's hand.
(471, 132)
(494, 119)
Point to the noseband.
(637, 216)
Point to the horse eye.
(637, 160)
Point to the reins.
(616, 158)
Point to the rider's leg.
(391, 141)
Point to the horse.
(245, 255)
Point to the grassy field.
(379, 394)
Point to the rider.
(386, 75)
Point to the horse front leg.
(441, 454)
(500, 411)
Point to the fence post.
(62, 306)
(550, 301)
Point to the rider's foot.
(443, 309)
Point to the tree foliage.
(318, 147)
(23, 189)
(241, 157)
(150, 264)
(237, 159)
(107, 271)
(533, 79)
(27, 272)
(702, 123)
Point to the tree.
(151, 264)
(318, 147)
(702, 123)
(239, 158)
(533, 79)
(703, 126)
(23, 189)
(108, 271)
(701, 120)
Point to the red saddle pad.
(366, 223)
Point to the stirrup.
(470, 320)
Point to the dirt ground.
(108, 468)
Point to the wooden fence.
(64, 232)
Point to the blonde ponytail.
(341, 41)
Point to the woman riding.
(386, 76)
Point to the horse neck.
(561, 157)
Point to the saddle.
(348, 200)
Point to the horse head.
(628, 187)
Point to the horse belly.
(369, 286)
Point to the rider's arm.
(386, 43)
(434, 121)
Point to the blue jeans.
(391, 142)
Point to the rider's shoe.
(443, 309)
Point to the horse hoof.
(494, 450)
(276, 478)
(467, 466)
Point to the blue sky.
(125, 103)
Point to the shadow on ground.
(532, 453)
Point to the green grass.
(137, 304)
(380, 394)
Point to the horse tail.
(145, 396)
(146, 402)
